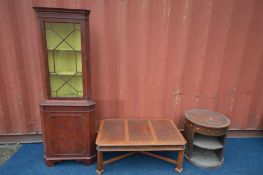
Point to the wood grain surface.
(133, 132)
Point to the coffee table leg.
(99, 162)
(179, 166)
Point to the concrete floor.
(6, 151)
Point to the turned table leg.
(99, 162)
(179, 167)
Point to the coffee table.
(139, 136)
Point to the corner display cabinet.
(67, 113)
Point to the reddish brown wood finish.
(131, 132)
(69, 131)
(68, 123)
(139, 136)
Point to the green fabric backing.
(64, 59)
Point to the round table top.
(207, 118)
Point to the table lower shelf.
(205, 158)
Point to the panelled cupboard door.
(70, 133)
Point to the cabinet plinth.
(205, 132)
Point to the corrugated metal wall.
(150, 59)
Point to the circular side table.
(205, 132)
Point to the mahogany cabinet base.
(50, 162)
(87, 161)
(69, 131)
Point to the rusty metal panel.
(149, 59)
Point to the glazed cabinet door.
(67, 134)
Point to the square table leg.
(179, 166)
(99, 162)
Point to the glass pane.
(66, 86)
(52, 39)
(64, 59)
(74, 39)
